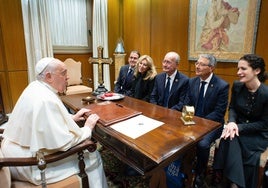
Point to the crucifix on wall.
(100, 61)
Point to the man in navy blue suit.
(170, 86)
(125, 78)
(214, 103)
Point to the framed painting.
(225, 28)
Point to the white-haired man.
(40, 121)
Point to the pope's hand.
(92, 120)
(81, 114)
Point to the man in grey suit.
(125, 78)
(211, 104)
(170, 86)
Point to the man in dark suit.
(211, 104)
(123, 84)
(170, 86)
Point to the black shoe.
(199, 181)
(217, 177)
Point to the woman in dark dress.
(245, 136)
(144, 75)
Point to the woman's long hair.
(151, 72)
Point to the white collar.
(48, 86)
(172, 77)
(208, 79)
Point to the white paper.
(136, 126)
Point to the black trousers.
(238, 162)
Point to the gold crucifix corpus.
(100, 61)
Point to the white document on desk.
(136, 126)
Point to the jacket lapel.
(210, 88)
(196, 84)
(162, 85)
(175, 84)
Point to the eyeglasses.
(201, 64)
(166, 62)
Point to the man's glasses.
(201, 64)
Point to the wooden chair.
(75, 82)
(263, 163)
(80, 180)
(262, 167)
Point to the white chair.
(75, 83)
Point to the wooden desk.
(155, 149)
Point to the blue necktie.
(199, 106)
(128, 78)
(166, 92)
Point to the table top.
(165, 142)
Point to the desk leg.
(158, 179)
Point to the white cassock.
(40, 120)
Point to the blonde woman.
(144, 75)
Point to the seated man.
(170, 86)
(124, 81)
(210, 102)
(40, 122)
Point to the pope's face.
(59, 78)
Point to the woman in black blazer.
(245, 136)
(144, 75)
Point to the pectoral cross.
(100, 61)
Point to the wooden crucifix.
(100, 61)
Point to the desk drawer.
(124, 152)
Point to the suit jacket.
(177, 92)
(215, 100)
(120, 86)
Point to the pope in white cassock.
(40, 121)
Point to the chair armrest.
(29, 161)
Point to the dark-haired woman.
(245, 136)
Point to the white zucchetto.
(42, 64)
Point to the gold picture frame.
(224, 28)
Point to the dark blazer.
(249, 119)
(216, 97)
(251, 116)
(177, 92)
(120, 86)
(142, 89)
